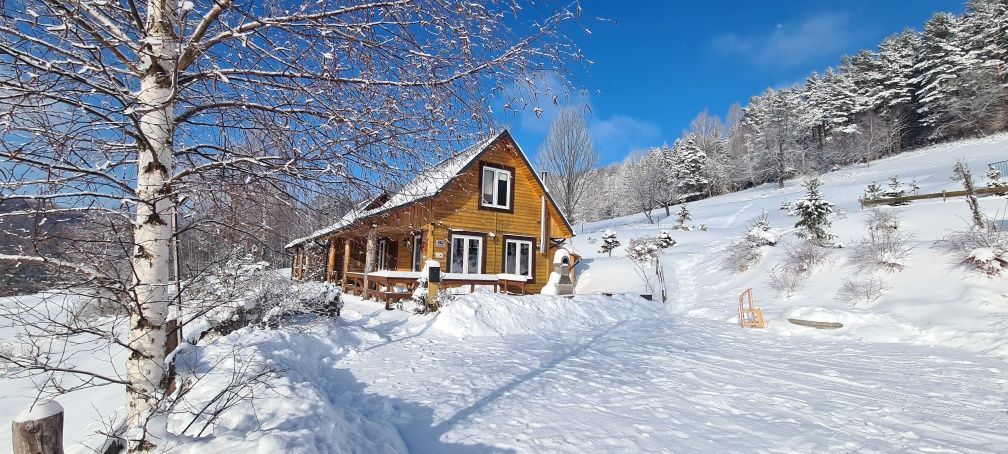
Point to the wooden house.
(484, 214)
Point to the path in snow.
(662, 383)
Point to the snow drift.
(538, 315)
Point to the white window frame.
(382, 253)
(416, 258)
(517, 259)
(495, 189)
(465, 252)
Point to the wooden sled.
(749, 316)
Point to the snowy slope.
(934, 301)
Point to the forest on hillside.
(916, 88)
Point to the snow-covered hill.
(935, 300)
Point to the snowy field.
(922, 369)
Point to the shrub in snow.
(785, 281)
(881, 218)
(665, 240)
(760, 233)
(914, 187)
(785, 206)
(609, 242)
(873, 191)
(644, 253)
(864, 291)
(805, 257)
(886, 247)
(988, 260)
(703, 227)
(813, 214)
(682, 216)
(986, 249)
(994, 180)
(743, 254)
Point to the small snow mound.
(40, 410)
(542, 315)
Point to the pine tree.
(994, 179)
(609, 242)
(683, 216)
(938, 68)
(690, 166)
(813, 214)
(873, 191)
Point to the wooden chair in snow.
(748, 315)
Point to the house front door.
(466, 254)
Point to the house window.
(417, 251)
(518, 257)
(466, 254)
(496, 188)
(383, 254)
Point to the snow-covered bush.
(881, 218)
(644, 253)
(984, 249)
(988, 260)
(703, 227)
(886, 247)
(894, 189)
(805, 257)
(813, 214)
(994, 180)
(609, 242)
(785, 206)
(760, 233)
(865, 291)
(914, 187)
(743, 254)
(665, 240)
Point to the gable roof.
(426, 185)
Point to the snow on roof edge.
(427, 183)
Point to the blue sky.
(658, 64)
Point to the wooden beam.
(370, 258)
(331, 266)
(346, 260)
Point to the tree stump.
(38, 429)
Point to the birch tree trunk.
(151, 232)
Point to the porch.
(392, 286)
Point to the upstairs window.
(496, 188)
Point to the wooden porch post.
(370, 258)
(331, 267)
(346, 260)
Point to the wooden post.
(38, 429)
(369, 259)
(346, 260)
(331, 267)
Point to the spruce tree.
(609, 242)
(813, 214)
(683, 216)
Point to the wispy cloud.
(792, 44)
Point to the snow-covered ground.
(922, 369)
(935, 300)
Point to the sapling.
(813, 214)
(609, 242)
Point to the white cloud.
(789, 45)
(619, 135)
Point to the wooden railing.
(936, 195)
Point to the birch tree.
(122, 109)
(568, 158)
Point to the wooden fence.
(936, 195)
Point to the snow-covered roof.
(425, 185)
